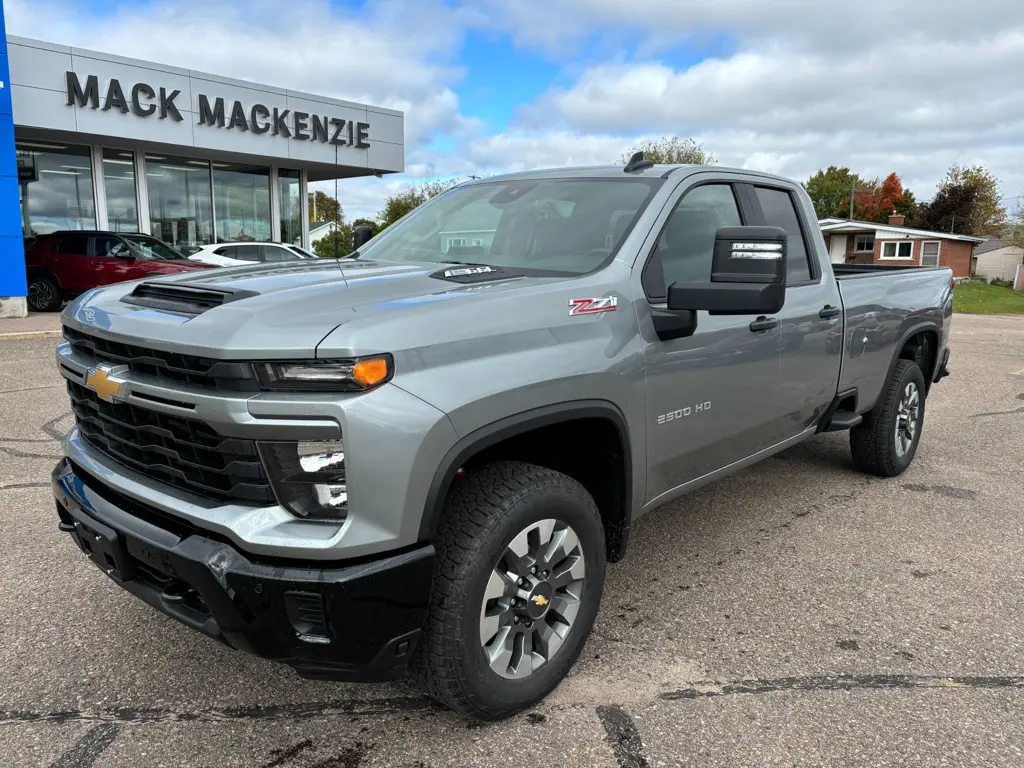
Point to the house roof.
(315, 225)
(990, 244)
(848, 225)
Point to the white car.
(233, 254)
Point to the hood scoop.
(475, 273)
(182, 298)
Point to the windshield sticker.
(593, 306)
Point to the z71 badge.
(593, 306)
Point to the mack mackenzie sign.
(145, 101)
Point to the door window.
(779, 211)
(103, 245)
(246, 253)
(687, 243)
(273, 253)
(76, 246)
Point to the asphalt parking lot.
(798, 614)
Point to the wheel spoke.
(521, 664)
(569, 570)
(499, 651)
(565, 605)
(545, 528)
(547, 641)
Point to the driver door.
(711, 396)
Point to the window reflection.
(55, 183)
(242, 197)
(180, 201)
(292, 207)
(119, 183)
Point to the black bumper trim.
(372, 612)
(942, 370)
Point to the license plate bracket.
(101, 544)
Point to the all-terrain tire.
(873, 442)
(482, 515)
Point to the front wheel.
(885, 442)
(44, 294)
(521, 563)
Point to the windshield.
(152, 249)
(302, 252)
(549, 225)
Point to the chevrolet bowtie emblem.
(103, 383)
(540, 600)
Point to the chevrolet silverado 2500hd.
(423, 455)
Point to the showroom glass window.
(180, 201)
(291, 206)
(119, 184)
(55, 182)
(241, 195)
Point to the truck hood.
(276, 310)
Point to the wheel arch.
(920, 344)
(491, 437)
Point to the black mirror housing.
(361, 236)
(748, 275)
(749, 255)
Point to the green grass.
(977, 298)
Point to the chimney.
(896, 219)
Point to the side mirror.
(748, 275)
(361, 236)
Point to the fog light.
(309, 477)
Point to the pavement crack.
(295, 711)
(841, 683)
(12, 486)
(89, 747)
(623, 736)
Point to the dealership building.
(94, 141)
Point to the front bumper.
(356, 622)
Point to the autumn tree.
(671, 151)
(966, 202)
(401, 203)
(830, 189)
(323, 207)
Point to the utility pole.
(853, 189)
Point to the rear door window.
(779, 211)
(246, 253)
(77, 245)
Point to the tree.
(830, 190)
(966, 202)
(671, 151)
(401, 203)
(323, 207)
(335, 245)
(1015, 229)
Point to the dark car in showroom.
(62, 265)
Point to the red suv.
(62, 265)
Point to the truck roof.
(615, 170)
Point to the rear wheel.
(44, 294)
(885, 442)
(521, 563)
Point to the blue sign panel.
(12, 247)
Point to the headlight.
(331, 375)
(309, 478)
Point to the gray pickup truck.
(422, 456)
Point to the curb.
(19, 335)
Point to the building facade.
(102, 142)
(864, 242)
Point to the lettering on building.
(144, 100)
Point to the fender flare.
(510, 426)
(913, 330)
(31, 272)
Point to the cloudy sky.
(493, 85)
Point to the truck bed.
(882, 304)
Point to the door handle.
(828, 312)
(764, 324)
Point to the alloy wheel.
(532, 598)
(907, 415)
(40, 294)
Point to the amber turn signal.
(370, 371)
